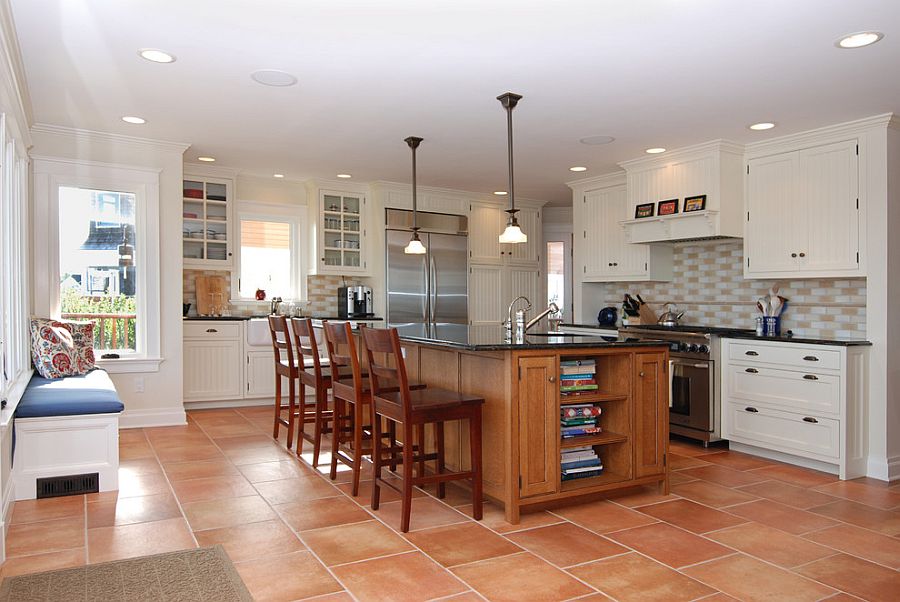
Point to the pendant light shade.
(415, 246)
(513, 233)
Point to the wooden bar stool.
(285, 366)
(416, 408)
(313, 372)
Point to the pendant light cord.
(509, 100)
(413, 142)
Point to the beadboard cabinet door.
(260, 375)
(485, 226)
(211, 370)
(772, 202)
(538, 403)
(530, 222)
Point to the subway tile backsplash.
(709, 286)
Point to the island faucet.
(551, 309)
(509, 320)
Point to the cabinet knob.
(641, 374)
(810, 377)
(802, 254)
(793, 254)
(810, 419)
(615, 263)
(211, 330)
(552, 379)
(752, 370)
(752, 410)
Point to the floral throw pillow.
(83, 337)
(52, 348)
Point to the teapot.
(670, 317)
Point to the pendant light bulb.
(415, 246)
(513, 233)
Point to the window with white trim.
(269, 256)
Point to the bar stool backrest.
(382, 375)
(339, 336)
(281, 341)
(306, 345)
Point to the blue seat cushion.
(91, 393)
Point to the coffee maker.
(355, 302)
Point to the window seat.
(67, 427)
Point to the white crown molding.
(482, 197)
(213, 171)
(13, 73)
(725, 146)
(95, 136)
(37, 159)
(802, 139)
(616, 178)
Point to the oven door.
(691, 388)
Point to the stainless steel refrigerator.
(428, 294)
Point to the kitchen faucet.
(509, 321)
(276, 301)
(551, 309)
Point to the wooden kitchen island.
(521, 417)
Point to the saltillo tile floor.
(734, 527)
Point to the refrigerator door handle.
(433, 286)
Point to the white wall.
(161, 400)
(270, 190)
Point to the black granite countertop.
(595, 326)
(217, 318)
(244, 318)
(493, 338)
(786, 338)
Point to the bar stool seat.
(423, 401)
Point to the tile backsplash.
(709, 286)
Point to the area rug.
(205, 574)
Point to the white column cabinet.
(485, 292)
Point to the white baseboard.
(883, 469)
(230, 403)
(131, 419)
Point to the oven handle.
(671, 379)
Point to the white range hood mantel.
(713, 168)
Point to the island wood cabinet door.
(538, 425)
(651, 413)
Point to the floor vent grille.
(70, 485)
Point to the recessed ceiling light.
(764, 125)
(858, 40)
(156, 55)
(344, 175)
(277, 175)
(273, 77)
(206, 159)
(500, 192)
(593, 140)
(655, 150)
(578, 168)
(133, 119)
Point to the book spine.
(577, 382)
(580, 463)
(573, 412)
(582, 475)
(578, 421)
(570, 388)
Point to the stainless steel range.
(695, 392)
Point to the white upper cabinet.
(803, 214)
(530, 222)
(485, 225)
(341, 242)
(207, 224)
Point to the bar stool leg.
(292, 410)
(277, 405)
(376, 458)
(439, 441)
(317, 437)
(392, 431)
(475, 450)
(406, 505)
(420, 435)
(357, 444)
(337, 435)
(301, 398)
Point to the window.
(556, 274)
(269, 257)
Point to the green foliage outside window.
(109, 332)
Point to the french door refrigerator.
(427, 295)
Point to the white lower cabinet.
(260, 376)
(212, 369)
(804, 404)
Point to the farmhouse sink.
(258, 332)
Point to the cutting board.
(212, 295)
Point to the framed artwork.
(667, 207)
(644, 210)
(694, 203)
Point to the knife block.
(647, 316)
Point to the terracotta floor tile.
(494, 518)
(237, 427)
(633, 577)
(785, 493)
(724, 476)
(131, 485)
(143, 539)
(345, 474)
(133, 450)
(737, 460)
(130, 510)
(39, 563)
(352, 543)
(227, 512)
(458, 544)
(886, 522)
(879, 496)
(190, 453)
(795, 475)
(255, 540)
(256, 455)
(425, 512)
(786, 518)
(284, 491)
(860, 542)
(681, 476)
(855, 576)
(641, 497)
(323, 512)
(45, 536)
(365, 493)
(691, 516)
(470, 596)
(341, 596)
(405, 578)
(712, 494)
(677, 462)
(566, 544)
(771, 544)
(752, 580)
(30, 511)
(670, 545)
(455, 495)
(274, 471)
(131, 435)
(284, 578)
(603, 516)
(212, 488)
(181, 471)
(140, 466)
(507, 577)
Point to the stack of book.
(580, 462)
(577, 376)
(579, 419)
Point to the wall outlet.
(139, 384)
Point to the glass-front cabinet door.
(206, 222)
(343, 232)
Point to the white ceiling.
(651, 73)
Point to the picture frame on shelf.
(669, 207)
(644, 210)
(694, 203)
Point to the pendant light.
(415, 246)
(513, 233)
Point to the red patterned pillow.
(83, 337)
(52, 348)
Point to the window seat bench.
(67, 427)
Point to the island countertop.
(493, 338)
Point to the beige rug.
(188, 575)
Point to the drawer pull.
(751, 410)
(812, 420)
(211, 330)
(810, 377)
(752, 370)
(750, 353)
(811, 358)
